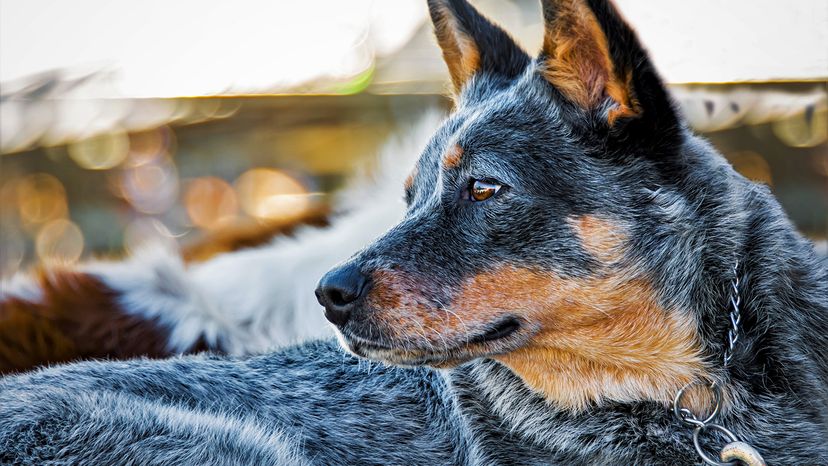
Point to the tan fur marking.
(624, 95)
(602, 238)
(599, 339)
(459, 50)
(77, 318)
(579, 62)
(452, 157)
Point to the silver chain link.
(735, 316)
(709, 424)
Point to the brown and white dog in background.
(235, 294)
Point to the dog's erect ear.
(593, 58)
(472, 44)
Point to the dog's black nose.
(339, 290)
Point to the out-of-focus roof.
(71, 70)
(161, 48)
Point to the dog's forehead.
(495, 122)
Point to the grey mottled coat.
(690, 217)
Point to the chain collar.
(736, 452)
(735, 316)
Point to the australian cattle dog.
(571, 258)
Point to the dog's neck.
(647, 348)
(784, 300)
(491, 394)
(598, 372)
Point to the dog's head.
(533, 215)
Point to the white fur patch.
(20, 286)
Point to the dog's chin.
(501, 338)
(408, 358)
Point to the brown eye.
(480, 190)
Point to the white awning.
(163, 48)
(175, 48)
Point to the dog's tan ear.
(472, 45)
(577, 59)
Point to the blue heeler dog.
(566, 265)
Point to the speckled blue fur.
(690, 217)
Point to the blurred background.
(122, 122)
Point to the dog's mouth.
(502, 329)
(501, 337)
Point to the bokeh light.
(101, 152)
(806, 129)
(40, 197)
(59, 240)
(147, 146)
(211, 202)
(146, 230)
(152, 187)
(752, 166)
(266, 193)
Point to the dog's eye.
(480, 190)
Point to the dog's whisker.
(426, 341)
(439, 333)
(459, 319)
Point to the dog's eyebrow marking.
(453, 156)
(602, 238)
